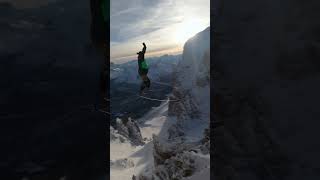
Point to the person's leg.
(143, 85)
(145, 79)
(147, 82)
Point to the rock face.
(183, 149)
(115, 136)
(265, 67)
(130, 130)
(191, 83)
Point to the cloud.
(151, 21)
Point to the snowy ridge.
(128, 160)
(181, 150)
(193, 75)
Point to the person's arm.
(144, 48)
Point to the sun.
(187, 29)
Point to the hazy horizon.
(134, 57)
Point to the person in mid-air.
(143, 69)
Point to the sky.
(164, 25)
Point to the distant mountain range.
(159, 69)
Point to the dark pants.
(145, 80)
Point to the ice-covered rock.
(129, 129)
(192, 80)
(182, 151)
(115, 136)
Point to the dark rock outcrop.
(130, 129)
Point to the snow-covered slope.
(159, 67)
(128, 160)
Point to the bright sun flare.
(187, 29)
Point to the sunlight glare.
(187, 29)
